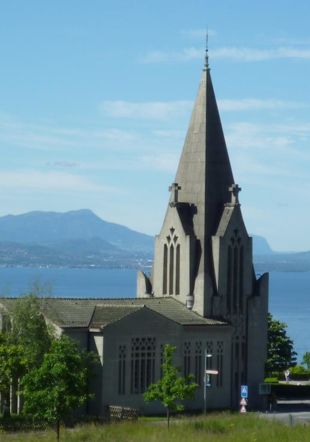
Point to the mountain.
(48, 228)
(82, 239)
(261, 246)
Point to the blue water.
(289, 294)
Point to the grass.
(221, 427)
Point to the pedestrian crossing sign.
(244, 391)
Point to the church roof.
(86, 312)
(204, 173)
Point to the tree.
(171, 388)
(22, 345)
(60, 385)
(306, 359)
(280, 348)
(29, 329)
(12, 364)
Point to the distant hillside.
(261, 246)
(82, 239)
(47, 228)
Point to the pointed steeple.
(204, 175)
(204, 172)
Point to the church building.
(202, 296)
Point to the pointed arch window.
(165, 264)
(177, 270)
(171, 264)
(235, 274)
(171, 269)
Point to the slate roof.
(87, 312)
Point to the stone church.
(202, 296)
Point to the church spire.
(204, 176)
(204, 172)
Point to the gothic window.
(229, 278)
(161, 359)
(177, 271)
(219, 363)
(122, 369)
(187, 358)
(241, 278)
(235, 263)
(171, 264)
(198, 362)
(165, 269)
(235, 279)
(171, 269)
(142, 363)
(243, 359)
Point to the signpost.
(244, 393)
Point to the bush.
(273, 380)
(299, 373)
(20, 423)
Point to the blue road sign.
(244, 391)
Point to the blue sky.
(95, 99)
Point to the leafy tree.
(306, 360)
(171, 388)
(280, 348)
(23, 344)
(53, 390)
(29, 329)
(12, 364)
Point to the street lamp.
(206, 378)
(206, 355)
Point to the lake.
(289, 293)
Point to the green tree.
(306, 359)
(60, 385)
(172, 388)
(12, 364)
(280, 348)
(29, 329)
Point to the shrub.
(273, 380)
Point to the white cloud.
(33, 180)
(62, 164)
(244, 54)
(256, 54)
(153, 110)
(267, 136)
(248, 104)
(186, 54)
(165, 162)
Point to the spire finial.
(206, 67)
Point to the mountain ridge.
(80, 238)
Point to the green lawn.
(221, 427)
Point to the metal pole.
(205, 383)
(205, 378)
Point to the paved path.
(290, 412)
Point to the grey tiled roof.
(104, 315)
(90, 312)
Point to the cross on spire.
(174, 189)
(234, 189)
